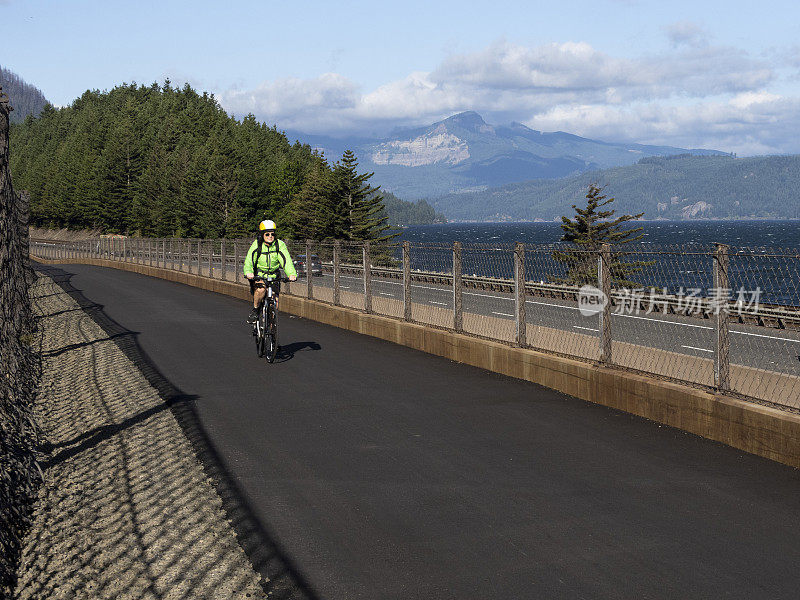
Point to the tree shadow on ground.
(281, 578)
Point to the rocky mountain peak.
(466, 120)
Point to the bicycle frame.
(266, 327)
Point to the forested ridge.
(672, 187)
(402, 212)
(26, 99)
(162, 161)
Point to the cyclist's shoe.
(253, 316)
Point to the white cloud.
(687, 33)
(746, 124)
(316, 104)
(579, 69)
(696, 95)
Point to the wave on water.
(756, 234)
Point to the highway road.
(752, 346)
(386, 473)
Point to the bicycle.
(265, 329)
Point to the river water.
(770, 234)
(680, 259)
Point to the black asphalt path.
(383, 472)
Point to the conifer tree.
(591, 228)
(310, 214)
(357, 206)
(162, 161)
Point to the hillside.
(26, 99)
(676, 187)
(160, 161)
(402, 212)
(464, 153)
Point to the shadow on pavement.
(287, 352)
(280, 577)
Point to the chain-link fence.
(429, 294)
(554, 321)
(661, 322)
(19, 370)
(487, 273)
(764, 324)
(721, 318)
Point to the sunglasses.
(270, 233)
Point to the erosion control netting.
(19, 472)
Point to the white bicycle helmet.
(267, 225)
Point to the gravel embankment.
(126, 510)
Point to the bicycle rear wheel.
(271, 334)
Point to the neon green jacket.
(273, 256)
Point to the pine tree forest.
(163, 161)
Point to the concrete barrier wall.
(760, 430)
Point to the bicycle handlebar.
(264, 280)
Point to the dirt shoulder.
(126, 509)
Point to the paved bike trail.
(383, 472)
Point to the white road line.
(487, 296)
(613, 314)
(769, 337)
(345, 287)
(586, 328)
(549, 304)
(439, 303)
(385, 294)
(502, 314)
(701, 349)
(663, 321)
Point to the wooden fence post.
(407, 280)
(367, 279)
(519, 294)
(604, 277)
(337, 252)
(458, 310)
(722, 365)
(309, 273)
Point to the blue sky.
(713, 74)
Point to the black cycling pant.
(276, 286)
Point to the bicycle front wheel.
(261, 327)
(271, 335)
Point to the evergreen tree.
(25, 98)
(310, 214)
(160, 160)
(357, 206)
(591, 228)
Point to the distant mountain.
(464, 153)
(675, 187)
(25, 98)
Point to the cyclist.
(266, 255)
